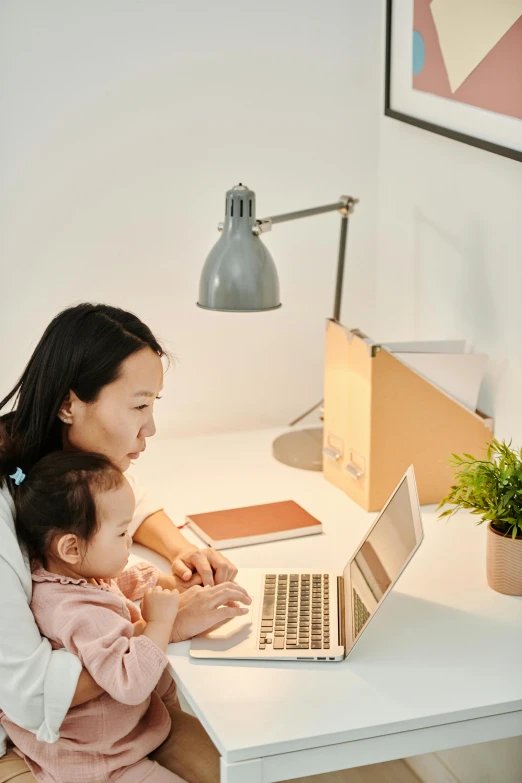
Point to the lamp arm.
(337, 301)
(345, 206)
(340, 269)
(306, 413)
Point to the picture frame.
(434, 106)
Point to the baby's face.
(108, 551)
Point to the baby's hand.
(160, 606)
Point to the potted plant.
(492, 489)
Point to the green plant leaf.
(490, 488)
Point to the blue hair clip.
(18, 476)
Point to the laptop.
(306, 614)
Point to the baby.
(72, 513)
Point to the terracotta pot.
(504, 562)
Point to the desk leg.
(241, 772)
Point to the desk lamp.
(239, 276)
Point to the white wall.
(124, 123)
(449, 265)
(450, 255)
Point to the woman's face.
(120, 420)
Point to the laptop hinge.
(341, 630)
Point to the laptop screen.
(382, 556)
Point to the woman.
(90, 385)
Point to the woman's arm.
(159, 533)
(37, 684)
(152, 528)
(86, 689)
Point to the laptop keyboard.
(360, 614)
(296, 612)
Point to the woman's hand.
(210, 566)
(176, 583)
(201, 608)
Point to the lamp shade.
(239, 274)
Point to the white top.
(443, 648)
(37, 684)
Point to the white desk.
(439, 667)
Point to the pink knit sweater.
(102, 737)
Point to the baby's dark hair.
(57, 496)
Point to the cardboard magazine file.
(380, 416)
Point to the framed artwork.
(454, 67)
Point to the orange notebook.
(253, 524)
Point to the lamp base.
(300, 448)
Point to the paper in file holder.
(380, 416)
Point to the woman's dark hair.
(82, 350)
(57, 496)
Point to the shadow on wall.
(451, 291)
